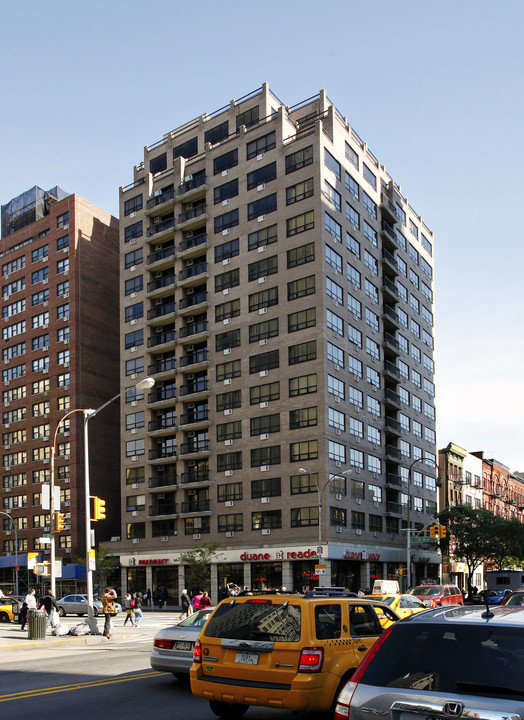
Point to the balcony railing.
(162, 198)
(192, 271)
(162, 365)
(164, 281)
(160, 254)
(192, 184)
(197, 386)
(191, 300)
(193, 328)
(164, 392)
(195, 477)
(194, 417)
(193, 358)
(161, 338)
(197, 506)
(162, 451)
(160, 227)
(188, 243)
(162, 423)
(167, 478)
(194, 447)
(191, 213)
(164, 509)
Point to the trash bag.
(54, 620)
(80, 629)
(60, 630)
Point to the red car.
(436, 595)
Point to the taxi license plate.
(246, 658)
(183, 645)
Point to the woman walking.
(137, 609)
(128, 607)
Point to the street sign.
(321, 571)
(45, 539)
(92, 562)
(415, 540)
(321, 567)
(320, 550)
(42, 569)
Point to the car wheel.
(80, 614)
(4, 617)
(61, 612)
(230, 711)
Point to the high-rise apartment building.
(59, 261)
(278, 286)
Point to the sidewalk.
(12, 638)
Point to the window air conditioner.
(358, 531)
(262, 279)
(263, 373)
(229, 503)
(338, 463)
(261, 156)
(225, 202)
(228, 473)
(226, 291)
(227, 351)
(337, 431)
(264, 404)
(261, 248)
(266, 531)
(228, 411)
(164, 538)
(226, 261)
(358, 501)
(226, 231)
(196, 536)
(227, 321)
(264, 436)
(376, 504)
(339, 529)
(227, 381)
(228, 442)
(264, 500)
(262, 310)
(338, 496)
(230, 533)
(136, 541)
(264, 468)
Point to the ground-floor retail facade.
(294, 567)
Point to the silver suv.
(443, 664)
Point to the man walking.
(49, 604)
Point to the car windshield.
(256, 620)
(195, 620)
(425, 591)
(515, 599)
(472, 659)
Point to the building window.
(269, 519)
(332, 164)
(263, 206)
(265, 456)
(264, 393)
(261, 145)
(262, 175)
(264, 424)
(230, 523)
(303, 385)
(303, 483)
(300, 191)
(217, 134)
(226, 340)
(263, 330)
(229, 431)
(263, 299)
(299, 159)
(338, 516)
(305, 450)
(262, 268)
(353, 216)
(301, 287)
(227, 220)
(135, 257)
(303, 417)
(301, 320)
(132, 232)
(133, 312)
(249, 118)
(229, 461)
(261, 238)
(334, 259)
(186, 149)
(369, 176)
(226, 280)
(333, 227)
(267, 487)
(62, 221)
(300, 223)
(228, 370)
(230, 491)
(264, 362)
(351, 155)
(304, 517)
(302, 352)
(133, 205)
(225, 162)
(226, 191)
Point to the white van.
(385, 587)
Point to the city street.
(82, 678)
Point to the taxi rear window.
(256, 621)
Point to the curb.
(52, 641)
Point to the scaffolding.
(28, 207)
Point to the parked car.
(453, 662)
(173, 646)
(435, 595)
(9, 609)
(491, 597)
(514, 599)
(77, 605)
(282, 650)
(404, 605)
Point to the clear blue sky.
(434, 88)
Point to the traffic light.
(441, 531)
(99, 508)
(59, 522)
(434, 531)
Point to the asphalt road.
(110, 679)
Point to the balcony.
(192, 299)
(393, 426)
(193, 358)
(161, 338)
(394, 481)
(162, 422)
(163, 509)
(193, 328)
(388, 209)
(199, 415)
(388, 230)
(188, 189)
(192, 271)
(392, 399)
(164, 227)
(393, 453)
(391, 344)
(192, 216)
(166, 198)
(163, 254)
(391, 371)
(163, 451)
(390, 317)
(165, 281)
(199, 476)
(393, 508)
(162, 365)
(165, 479)
(162, 393)
(196, 386)
(194, 506)
(161, 309)
(195, 446)
(192, 243)
(389, 262)
(389, 289)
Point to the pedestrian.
(185, 603)
(137, 608)
(147, 598)
(195, 602)
(360, 592)
(30, 599)
(128, 607)
(109, 610)
(23, 615)
(205, 600)
(50, 606)
(1, 593)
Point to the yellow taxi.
(9, 608)
(403, 605)
(283, 651)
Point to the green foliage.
(197, 562)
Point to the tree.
(506, 542)
(472, 532)
(197, 562)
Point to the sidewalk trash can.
(36, 621)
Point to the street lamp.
(320, 493)
(16, 547)
(425, 461)
(88, 413)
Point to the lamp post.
(144, 384)
(320, 492)
(425, 461)
(16, 546)
(88, 414)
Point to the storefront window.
(266, 576)
(304, 576)
(165, 585)
(229, 573)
